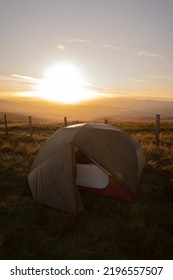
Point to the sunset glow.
(65, 83)
(76, 55)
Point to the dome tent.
(115, 167)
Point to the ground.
(107, 228)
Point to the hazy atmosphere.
(101, 51)
(86, 138)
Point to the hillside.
(112, 108)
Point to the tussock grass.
(107, 228)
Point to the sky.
(123, 47)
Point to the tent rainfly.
(99, 158)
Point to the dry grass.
(108, 228)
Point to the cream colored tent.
(115, 165)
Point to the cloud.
(60, 47)
(61, 43)
(148, 54)
(112, 47)
(14, 83)
(136, 80)
(26, 78)
(160, 77)
(102, 91)
(95, 44)
(78, 40)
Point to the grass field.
(107, 228)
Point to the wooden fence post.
(30, 127)
(106, 121)
(157, 130)
(5, 122)
(65, 121)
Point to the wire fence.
(6, 125)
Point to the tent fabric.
(90, 175)
(57, 170)
(112, 150)
(55, 174)
(113, 189)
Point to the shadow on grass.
(107, 228)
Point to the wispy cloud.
(99, 88)
(148, 54)
(160, 77)
(102, 91)
(14, 83)
(136, 80)
(93, 44)
(112, 47)
(63, 44)
(26, 78)
(60, 47)
(78, 40)
(149, 77)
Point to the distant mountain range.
(107, 108)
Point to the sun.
(65, 83)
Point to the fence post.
(157, 130)
(65, 121)
(5, 122)
(30, 127)
(106, 121)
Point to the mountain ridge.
(114, 108)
